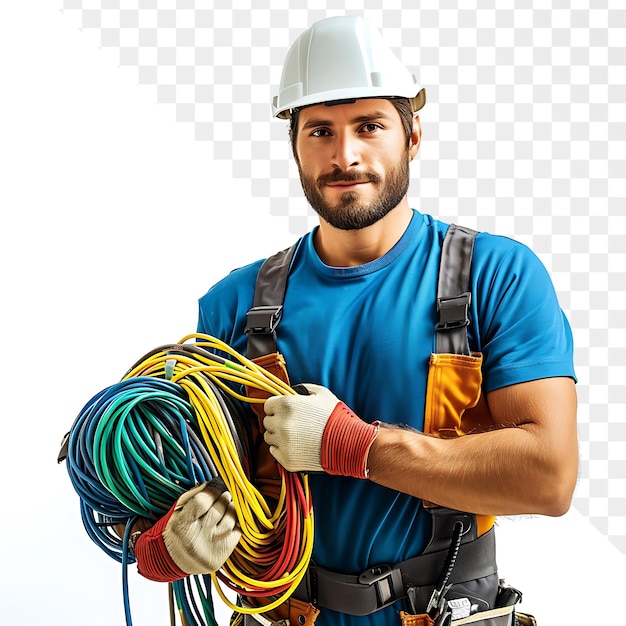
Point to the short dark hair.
(403, 106)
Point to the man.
(358, 327)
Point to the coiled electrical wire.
(176, 419)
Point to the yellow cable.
(191, 366)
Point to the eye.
(320, 132)
(370, 127)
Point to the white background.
(113, 222)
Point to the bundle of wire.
(176, 419)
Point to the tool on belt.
(455, 580)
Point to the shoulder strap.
(453, 296)
(267, 306)
(454, 290)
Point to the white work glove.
(317, 432)
(196, 536)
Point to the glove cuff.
(153, 559)
(346, 443)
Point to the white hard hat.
(342, 58)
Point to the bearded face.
(353, 161)
(352, 209)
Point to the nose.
(346, 153)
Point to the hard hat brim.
(417, 101)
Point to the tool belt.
(474, 594)
(382, 585)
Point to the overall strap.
(267, 305)
(454, 290)
(453, 296)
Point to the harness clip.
(263, 320)
(387, 581)
(453, 312)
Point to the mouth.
(347, 184)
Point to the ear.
(416, 137)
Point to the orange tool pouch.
(406, 619)
(298, 612)
(292, 611)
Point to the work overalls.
(455, 580)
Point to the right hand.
(196, 536)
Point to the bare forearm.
(515, 469)
(476, 473)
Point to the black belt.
(381, 585)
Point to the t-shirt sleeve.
(222, 310)
(522, 331)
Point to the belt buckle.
(387, 582)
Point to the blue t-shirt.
(367, 333)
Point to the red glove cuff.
(346, 443)
(153, 559)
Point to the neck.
(348, 248)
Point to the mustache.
(354, 176)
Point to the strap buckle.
(453, 312)
(387, 582)
(263, 320)
(65, 447)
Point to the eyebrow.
(361, 119)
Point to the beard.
(350, 212)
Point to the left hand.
(196, 536)
(317, 432)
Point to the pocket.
(292, 611)
(453, 388)
(503, 616)
(406, 619)
(482, 593)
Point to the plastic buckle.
(453, 312)
(263, 320)
(65, 447)
(387, 581)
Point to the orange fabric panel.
(275, 364)
(294, 610)
(454, 405)
(266, 476)
(407, 619)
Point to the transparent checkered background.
(524, 135)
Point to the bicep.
(546, 409)
(546, 400)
